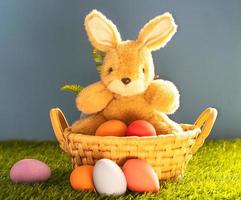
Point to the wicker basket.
(168, 154)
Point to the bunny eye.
(110, 70)
(143, 70)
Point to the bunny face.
(128, 69)
(128, 66)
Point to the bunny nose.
(126, 80)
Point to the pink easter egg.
(29, 171)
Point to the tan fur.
(143, 97)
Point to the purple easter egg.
(29, 171)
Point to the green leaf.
(98, 57)
(72, 88)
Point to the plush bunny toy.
(127, 90)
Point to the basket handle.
(205, 122)
(59, 123)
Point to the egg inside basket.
(168, 154)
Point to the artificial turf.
(213, 173)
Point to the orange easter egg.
(140, 176)
(81, 178)
(112, 128)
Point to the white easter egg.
(109, 178)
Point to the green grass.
(213, 173)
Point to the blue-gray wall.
(43, 45)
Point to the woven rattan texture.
(168, 154)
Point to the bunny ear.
(102, 33)
(157, 32)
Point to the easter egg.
(112, 128)
(140, 176)
(141, 128)
(29, 171)
(108, 177)
(81, 178)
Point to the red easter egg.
(140, 176)
(141, 128)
